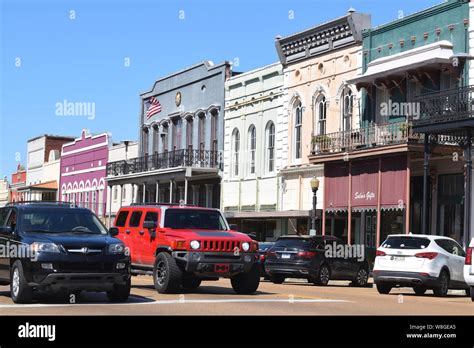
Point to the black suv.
(316, 258)
(58, 247)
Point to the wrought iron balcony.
(165, 160)
(445, 110)
(368, 137)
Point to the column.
(121, 195)
(110, 205)
(171, 191)
(195, 193)
(157, 192)
(209, 195)
(468, 191)
(185, 190)
(144, 193)
(426, 169)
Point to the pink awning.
(336, 185)
(364, 183)
(394, 181)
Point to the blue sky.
(83, 59)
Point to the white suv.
(421, 262)
(469, 269)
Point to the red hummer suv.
(183, 245)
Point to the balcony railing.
(445, 106)
(164, 160)
(372, 136)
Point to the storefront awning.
(366, 176)
(440, 52)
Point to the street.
(296, 297)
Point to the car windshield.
(194, 219)
(406, 243)
(299, 243)
(264, 246)
(47, 220)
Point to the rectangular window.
(151, 216)
(121, 218)
(135, 219)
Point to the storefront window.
(450, 206)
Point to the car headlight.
(245, 246)
(195, 244)
(39, 247)
(117, 248)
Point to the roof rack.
(59, 203)
(164, 204)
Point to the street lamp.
(314, 187)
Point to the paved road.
(217, 298)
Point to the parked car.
(307, 257)
(65, 249)
(180, 246)
(421, 262)
(469, 270)
(262, 251)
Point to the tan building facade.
(317, 101)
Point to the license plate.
(221, 268)
(285, 256)
(398, 258)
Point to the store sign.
(366, 196)
(364, 183)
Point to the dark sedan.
(317, 259)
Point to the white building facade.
(253, 141)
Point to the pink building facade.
(83, 171)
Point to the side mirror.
(149, 224)
(6, 230)
(114, 231)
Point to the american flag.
(153, 107)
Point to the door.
(4, 261)
(133, 228)
(121, 224)
(335, 261)
(456, 260)
(147, 239)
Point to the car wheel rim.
(16, 282)
(160, 273)
(362, 277)
(324, 275)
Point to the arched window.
(145, 141)
(347, 108)
(189, 133)
(321, 112)
(164, 137)
(235, 152)
(252, 148)
(297, 134)
(270, 147)
(202, 131)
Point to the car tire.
(20, 292)
(384, 288)
(324, 275)
(120, 293)
(441, 289)
(167, 276)
(277, 279)
(472, 293)
(419, 290)
(246, 283)
(191, 283)
(362, 277)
